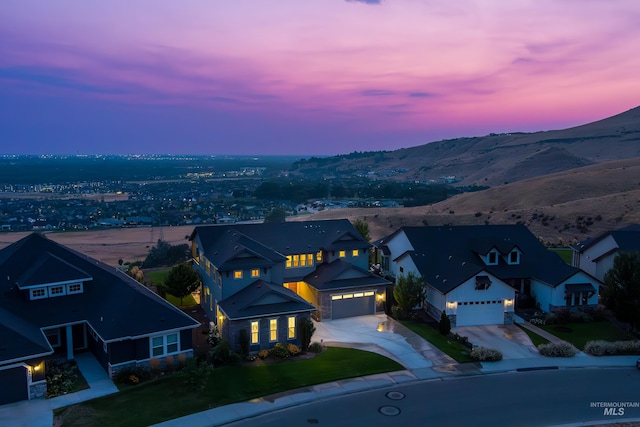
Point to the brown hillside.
(560, 208)
(494, 159)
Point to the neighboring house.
(478, 273)
(595, 256)
(262, 278)
(55, 302)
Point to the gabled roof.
(448, 256)
(627, 239)
(273, 241)
(340, 274)
(49, 269)
(114, 304)
(261, 299)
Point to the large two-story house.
(262, 278)
(595, 256)
(476, 274)
(56, 302)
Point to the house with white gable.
(595, 256)
(478, 274)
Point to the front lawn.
(165, 399)
(535, 338)
(457, 351)
(579, 334)
(565, 253)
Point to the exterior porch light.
(451, 306)
(508, 303)
(380, 297)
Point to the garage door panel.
(14, 385)
(351, 307)
(479, 314)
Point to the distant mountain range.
(565, 186)
(491, 160)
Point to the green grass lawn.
(579, 333)
(565, 253)
(535, 338)
(158, 277)
(165, 399)
(454, 349)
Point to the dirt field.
(108, 246)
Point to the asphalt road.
(533, 398)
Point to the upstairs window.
(514, 257)
(255, 272)
(38, 293)
(319, 256)
(343, 254)
(74, 288)
(237, 274)
(56, 291)
(492, 258)
(355, 252)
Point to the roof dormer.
(492, 257)
(513, 258)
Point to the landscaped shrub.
(182, 359)
(280, 351)
(59, 378)
(132, 376)
(293, 349)
(194, 375)
(315, 347)
(243, 338)
(580, 317)
(398, 313)
(561, 349)
(538, 321)
(154, 365)
(444, 326)
(263, 354)
(461, 339)
(222, 354)
(606, 348)
(169, 364)
(306, 329)
(483, 354)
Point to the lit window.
(208, 267)
(303, 260)
(289, 261)
(358, 295)
(309, 259)
(56, 291)
(355, 252)
(165, 344)
(237, 274)
(291, 331)
(38, 293)
(74, 288)
(273, 330)
(319, 256)
(343, 254)
(255, 334)
(335, 297)
(347, 296)
(368, 294)
(255, 272)
(296, 260)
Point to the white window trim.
(489, 257)
(517, 261)
(257, 341)
(291, 330)
(271, 330)
(51, 288)
(79, 291)
(164, 345)
(33, 297)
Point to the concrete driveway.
(383, 335)
(510, 340)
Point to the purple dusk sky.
(305, 77)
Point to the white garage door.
(474, 313)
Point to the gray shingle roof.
(342, 275)
(262, 298)
(449, 255)
(114, 304)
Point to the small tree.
(182, 281)
(445, 324)
(408, 292)
(621, 292)
(243, 338)
(305, 332)
(276, 215)
(363, 228)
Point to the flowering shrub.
(293, 349)
(279, 350)
(561, 349)
(483, 354)
(603, 348)
(263, 354)
(133, 379)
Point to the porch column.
(69, 343)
